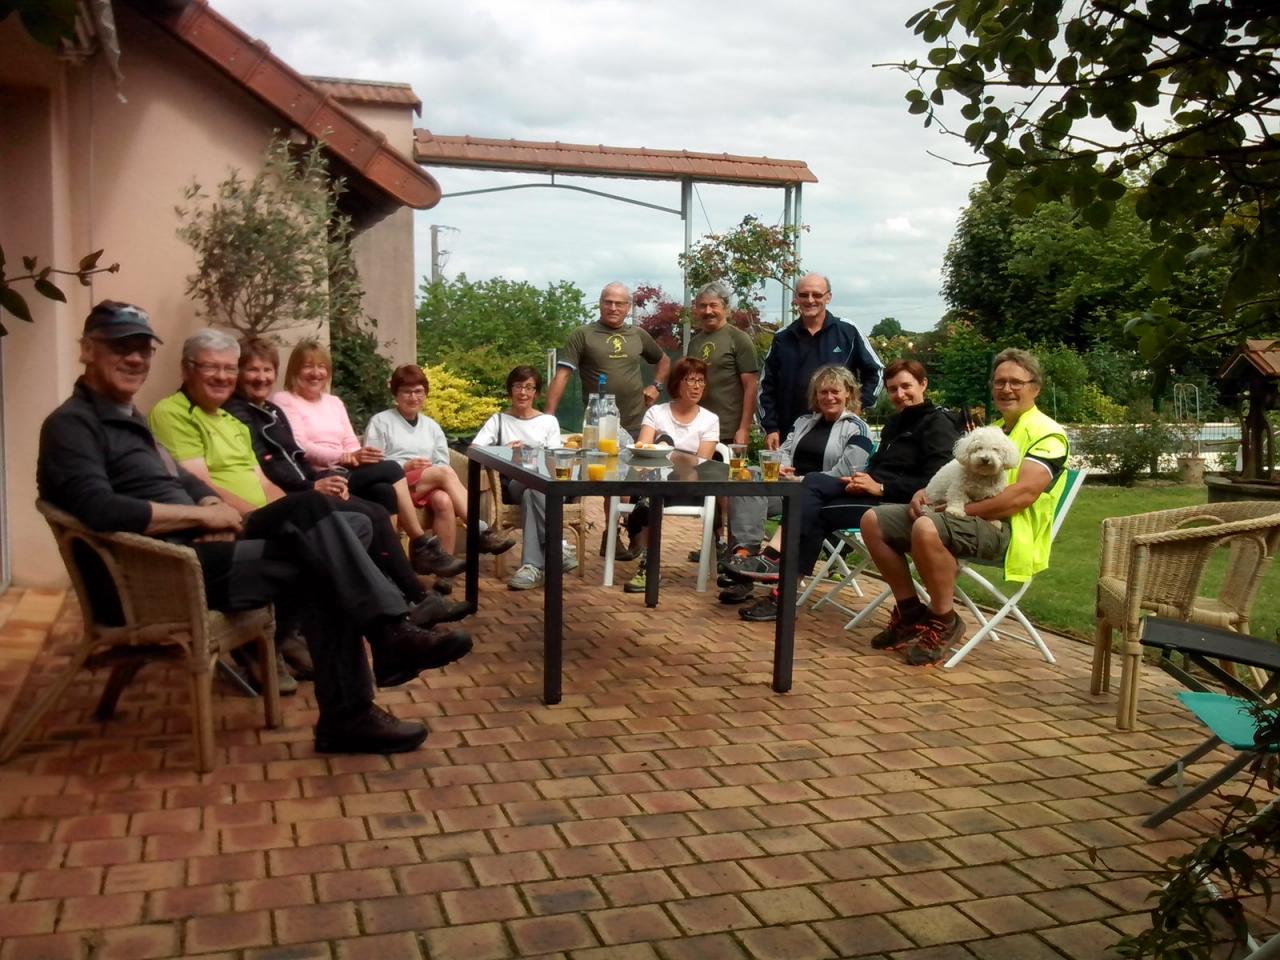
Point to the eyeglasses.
(695, 381)
(209, 369)
(810, 296)
(412, 392)
(1010, 384)
(524, 388)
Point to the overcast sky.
(716, 76)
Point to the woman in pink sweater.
(323, 430)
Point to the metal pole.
(435, 253)
(686, 214)
(787, 221)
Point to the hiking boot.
(901, 628)
(443, 586)
(761, 567)
(404, 651)
(426, 556)
(763, 610)
(436, 609)
(526, 578)
(735, 592)
(620, 553)
(637, 583)
(722, 548)
(491, 541)
(933, 639)
(372, 730)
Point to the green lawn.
(1061, 598)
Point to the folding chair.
(1008, 604)
(1230, 722)
(846, 558)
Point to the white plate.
(656, 452)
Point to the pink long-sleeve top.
(321, 427)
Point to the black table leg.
(784, 629)
(473, 535)
(553, 600)
(653, 559)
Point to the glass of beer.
(737, 458)
(770, 462)
(564, 464)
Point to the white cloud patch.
(742, 77)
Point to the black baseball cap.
(111, 320)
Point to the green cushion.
(1227, 717)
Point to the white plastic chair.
(706, 513)
(1008, 605)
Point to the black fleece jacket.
(914, 444)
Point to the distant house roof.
(1256, 356)
(601, 161)
(369, 91)
(362, 151)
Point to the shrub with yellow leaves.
(456, 403)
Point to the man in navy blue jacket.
(817, 338)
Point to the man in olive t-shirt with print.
(609, 347)
(733, 369)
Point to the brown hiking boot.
(932, 640)
(901, 628)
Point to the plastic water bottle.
(608, 432)
(591, 423)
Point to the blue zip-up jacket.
(794, 356)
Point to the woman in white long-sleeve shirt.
(521, 424)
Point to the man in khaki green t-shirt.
(609, 347)
(733, 369)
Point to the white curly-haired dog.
(978, 471)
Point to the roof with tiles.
(369, 91)
(602, 161)
(251, 64)
(1263, 356)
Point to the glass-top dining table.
(659, 479)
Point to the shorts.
(967, 538)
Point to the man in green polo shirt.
(610, 347)
(733, 369)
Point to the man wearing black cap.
(100, 463)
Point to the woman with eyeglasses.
(323, 430)
(684, 424)
(524, 425)
(408, 437)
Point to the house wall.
(81, 170)
(384, 252)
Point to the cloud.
(747, 77)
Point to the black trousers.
(384, 546)
(302, 554)
(824, 508)
(376, 482)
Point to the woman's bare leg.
(443, 478)
(407, 512)
(444, 522)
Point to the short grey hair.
(718, 289)
(835, 374)
(620, 285)
(218, 341)
(1023, 358)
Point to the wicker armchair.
(506, 517)
(1154, 563)
(142, 600)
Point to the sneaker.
(901, 629)
(293, 647)
(722, 548)
(404, 651)
(735, 592)
(763, 610)
(620, 553)
(724, 581)
(933, 638)
(526, 578)
(737, 553)
(637, 583)
(434, 608)
(568, 561)
(759, 567)
(246, 659)
(443, 586)
(426, 556)
(371, 731)
(491, 541)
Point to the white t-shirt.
(403, 441)
(542, 430)
(684, 436)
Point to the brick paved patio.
(671, 807)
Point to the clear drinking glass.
(770, 463)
